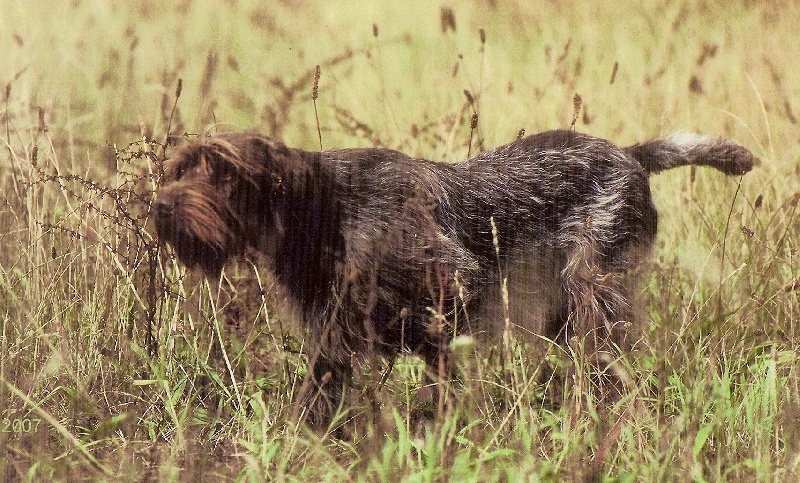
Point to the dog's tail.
(687, 149)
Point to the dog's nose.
(163, 205)
(164, 219)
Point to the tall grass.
(116, 364)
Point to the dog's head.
(219, 196)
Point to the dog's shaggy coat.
(383, 252)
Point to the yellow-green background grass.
(713, 390)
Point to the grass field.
(114, 366)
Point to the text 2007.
(20, 425)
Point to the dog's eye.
(276, 189)
(221, 176)
(219, 170)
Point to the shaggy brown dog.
(384, 253)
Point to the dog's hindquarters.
(573, 213)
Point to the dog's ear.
(283, 161)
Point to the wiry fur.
(383, 252)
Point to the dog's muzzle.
(164, 210)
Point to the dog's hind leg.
(322, 392)
(598, 316)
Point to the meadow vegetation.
(115, 364)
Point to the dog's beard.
(193, 251)
(198, 241)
